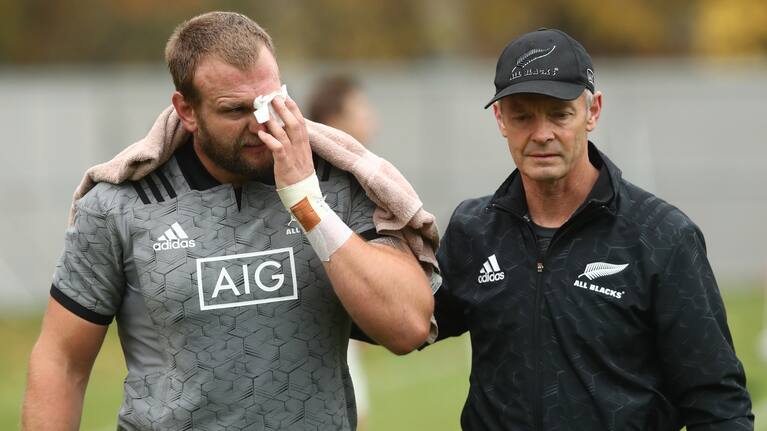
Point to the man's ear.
(594, 112)
(186, 111)
(499, 117)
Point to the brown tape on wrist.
(305, 214)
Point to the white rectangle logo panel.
(247, 279)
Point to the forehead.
(215, 79)
(525, 101)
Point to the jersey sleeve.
(704, 375)
(89, 280)
(361, 209)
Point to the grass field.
(422, 391)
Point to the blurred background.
(685, 86)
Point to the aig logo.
(247, 279)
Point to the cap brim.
(560, 90)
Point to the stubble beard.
(227, 156)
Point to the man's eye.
(561, 114)
(520, 117)
(237, 109)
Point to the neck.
(552, 203)
(221, 175)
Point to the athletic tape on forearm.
(325, 231)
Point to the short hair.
(232, 37)
(589, 98)
(328, 97)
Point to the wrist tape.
(325, 231)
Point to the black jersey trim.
(166, 184)
(77, 309)
(193, 170)
(370, 234)
(153, 187)
(140, 191)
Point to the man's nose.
(254, 126)
(542, 130)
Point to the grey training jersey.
(226, 316)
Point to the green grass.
(103, 397)
(422, 391)
(745, 309)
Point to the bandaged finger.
(325, 231)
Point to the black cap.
(547, 61)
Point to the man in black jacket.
(590, 302)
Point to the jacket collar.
(511, 195)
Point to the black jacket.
(619, 326)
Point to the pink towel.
(400, 211)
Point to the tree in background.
(120, 31)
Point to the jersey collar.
(193, 170)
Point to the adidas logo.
(490, 271)
(173, 238)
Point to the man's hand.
(289, 146)
(384, 289)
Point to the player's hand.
(289, 146)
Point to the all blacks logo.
(246, 279)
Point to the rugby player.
(234, 270)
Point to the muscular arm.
(59, 367)
(384, 289)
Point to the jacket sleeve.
(448, 310)
(703, 375)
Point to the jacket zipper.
(539, 268)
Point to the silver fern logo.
(597, 270)
(530, 56)
(601, 269)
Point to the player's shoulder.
(158, 186)
(105, 197)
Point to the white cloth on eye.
(263, 106)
